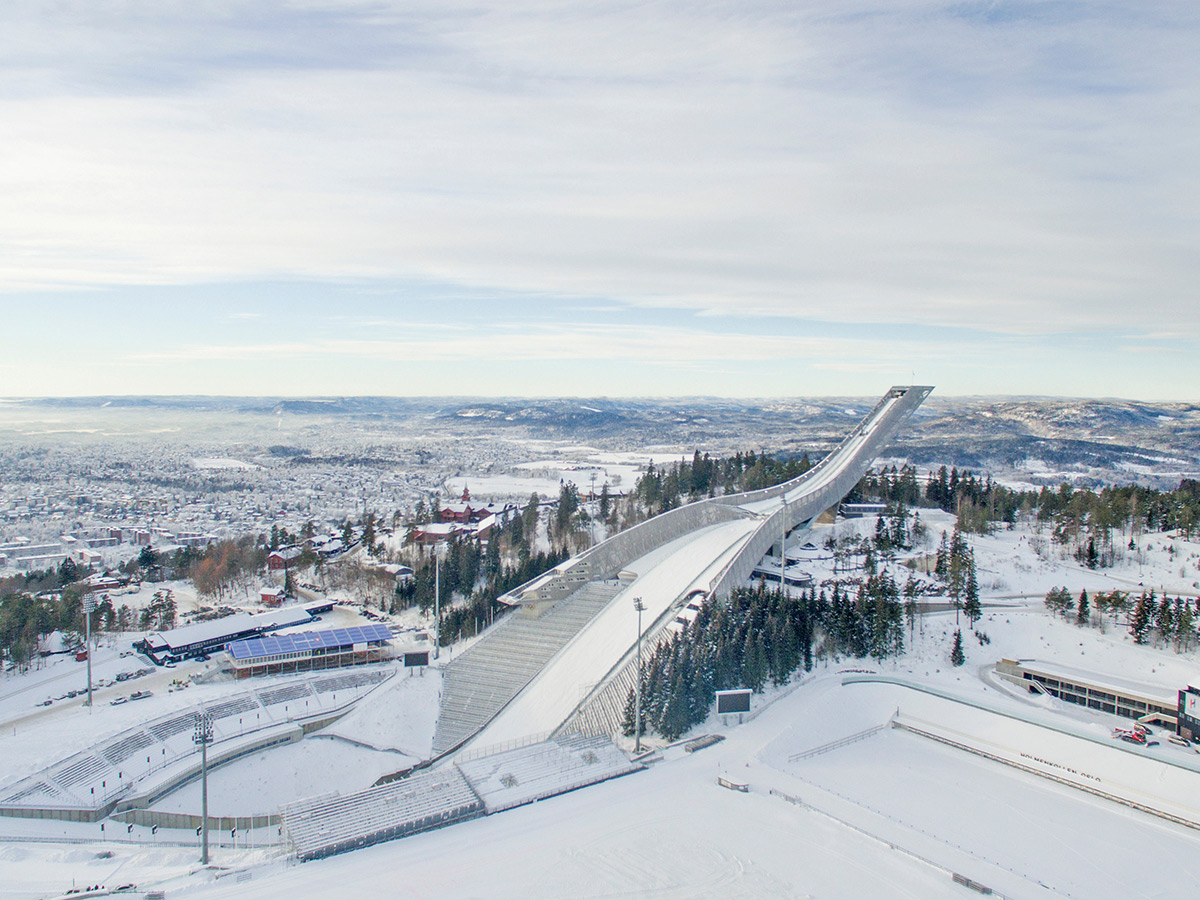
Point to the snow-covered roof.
(231, 626)
(1161, 694)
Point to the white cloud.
(1016, 169)
(547, 343)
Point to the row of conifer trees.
(759, 636)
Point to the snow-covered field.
(892, 815)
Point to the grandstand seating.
(29, 791)
(327, 825)
(232, 707)
(322, 826)
(284, 694)
(486, 677)
(120, 750)
(525, 774)
(349, 680)
(80, 770)
(91, 779)
(168, 728)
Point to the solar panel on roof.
(333, 638)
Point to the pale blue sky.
(600, 198)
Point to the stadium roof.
(334, 638)
(229, 627)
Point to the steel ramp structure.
(532, 649)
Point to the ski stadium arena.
(531, 709)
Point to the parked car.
(118, 701)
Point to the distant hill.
(1027, 438)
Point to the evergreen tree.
(971, 606)
(1139, 622)
(675, 709)
(754, 665)
(957, 656)
(1058, 600)
(1164, 619)
(911, 590)
(529, 517)
(627, 720)
(368, 537)
(1083, 611)
(1185, 627)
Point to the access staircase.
(485, 678)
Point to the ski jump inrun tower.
(562, 662)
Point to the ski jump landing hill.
(563, 662)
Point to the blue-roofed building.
(202, 638)
(305, 650)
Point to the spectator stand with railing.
(136, 767)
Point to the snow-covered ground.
(890, 816)
(257, 785)
(893, 815)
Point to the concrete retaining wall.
(149, 817)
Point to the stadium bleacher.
(323, 826)
(120, 750)
(479, 683)
(535, 772)
(89, 780)
(329, 825)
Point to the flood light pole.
(203, 736)
(89, 605)
(437, 598)
(637, 702)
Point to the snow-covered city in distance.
(897, 646)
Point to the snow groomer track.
(562, 663)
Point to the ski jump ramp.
(710, 547)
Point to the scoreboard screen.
(733, 701)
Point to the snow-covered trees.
(159, 615)
(759, 636)
(1164, 622)
(663, 488)
(1058, 600)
